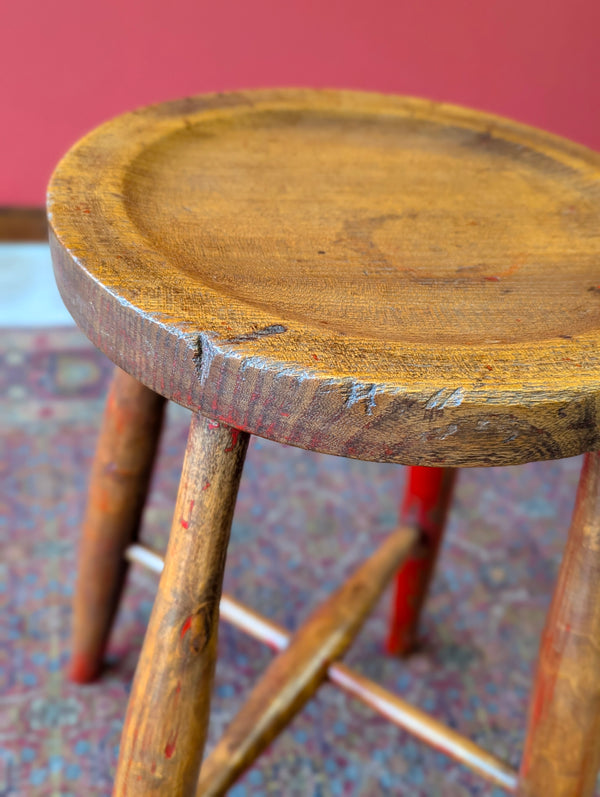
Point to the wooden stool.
(372, 277)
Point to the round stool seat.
(362, 275)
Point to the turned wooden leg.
(296, 674)
(426, 502)
(165, 726)
(119, 482)
(562, 750)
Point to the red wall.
(67, 65)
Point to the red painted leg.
(426, 503)
(118, 484)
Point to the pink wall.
(67, 65)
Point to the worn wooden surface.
(296, 674)
(562, 751)
(427, 499)
(167, 716)
(118, 485)
(403, 714)
(23, 224)
(372, 276)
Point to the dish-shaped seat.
(377, 277)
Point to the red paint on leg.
(545, 681)
(185, 524)
(425, 505)
(186, 626)
(235, 433)
(422, 495)
(170, 745)
(83, 670)
(205, 486)
(406, 598)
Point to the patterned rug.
(302, 523)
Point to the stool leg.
(167, 716)
(426, 502)
(118, 485)
(296, 674)
(562, 750)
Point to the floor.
(303, 522)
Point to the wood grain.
(371, 276)
(118, 486)
(562, 750)
(427, 499)
(168, 710)
(394, 708)
(296, 674)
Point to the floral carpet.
(302, 523)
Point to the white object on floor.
(28, 294)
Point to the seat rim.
(455, 413)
